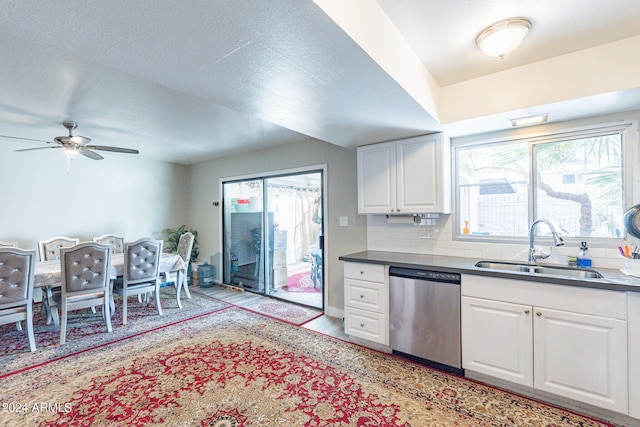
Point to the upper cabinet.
(405, 177)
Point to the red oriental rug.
(237, 368)
(86, 330)
(301, 282)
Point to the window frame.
(628, 129)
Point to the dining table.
(47, 274)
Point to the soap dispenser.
(584, 257)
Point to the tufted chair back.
(85, 276)
(85, 267)
(50, 248)
(142, 260)
(17, 268)
(185, 245)
(116, 242)
(16, 276)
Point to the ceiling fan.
(75, 144)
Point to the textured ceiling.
(190, 81)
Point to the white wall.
(383, 236)
(341, 193)
(125, 195)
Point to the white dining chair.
(116, 242)
(141, 272)
(185, 247)
(8, 244)
(17, 268)
(85, 281)
(50, 248)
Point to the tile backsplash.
(437, 240)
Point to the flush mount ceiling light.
(503, 37)
(528, 121)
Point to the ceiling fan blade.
(90, 154)
(80, 140)
(114, 149)
(24, 139)
(39, 148)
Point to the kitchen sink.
(549, 270)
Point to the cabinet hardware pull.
(362, 325)
(526, 312)
(361, 296)
(361, 272)
(538, 314)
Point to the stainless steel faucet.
(557, 240)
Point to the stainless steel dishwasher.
(424, 316)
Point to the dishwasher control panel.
(430, 275)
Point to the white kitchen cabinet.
(565, 340)
(581, 357)
(496, 339)
(366, 304)
(633, 310)
(404, 177)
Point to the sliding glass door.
(273, 236)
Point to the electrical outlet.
(344, 221)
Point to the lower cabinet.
(497, 340)
(560, 343)
(366, 302)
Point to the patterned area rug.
(237, 368)
(291, 313)
(86, 329)
(301, 282)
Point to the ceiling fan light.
(503, 37)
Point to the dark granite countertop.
(613, 280)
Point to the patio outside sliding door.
(273, 236)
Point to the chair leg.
(106, 313)
(19, 325)
(158, 307)
(29, 322)
(124, 305)
(63, 322)
(185, 284)
(178, 286)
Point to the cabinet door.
(377, 178)
(420, 174)
(581, 357)
(497, 339)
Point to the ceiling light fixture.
(528, 121)
(503, 37)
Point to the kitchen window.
(574, 179)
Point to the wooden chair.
(116, 242)
(17, 268)
(85, 281)
(141, 272)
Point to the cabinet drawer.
(363, 271)
(364, 295)
(365, 324)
